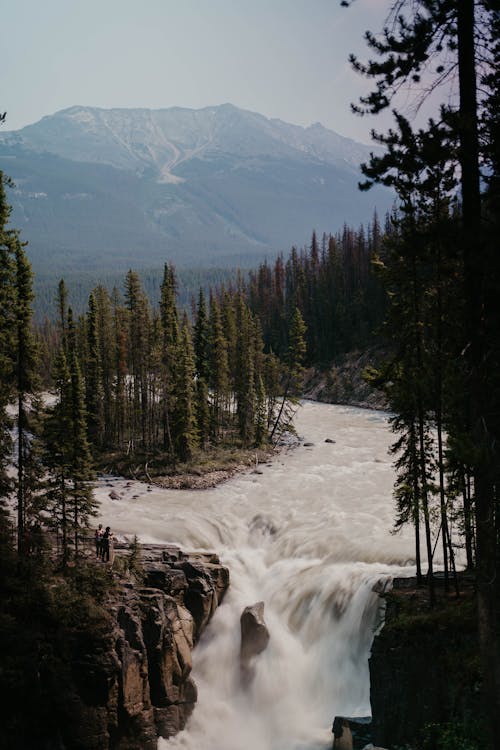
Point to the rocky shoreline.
(343, 382)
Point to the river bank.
(343, 381)
(425, 680)
(205, 470)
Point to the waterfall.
(310, 537)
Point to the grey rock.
(254, 638)
(352, 733)
(134, 685)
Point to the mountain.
(109, 189)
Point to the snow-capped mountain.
(121, 187)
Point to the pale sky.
(282, 58)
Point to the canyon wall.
(133, 683)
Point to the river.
(309, 536)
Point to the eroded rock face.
(423, 666)
(351, 733)
(135, 685)
(254, 638)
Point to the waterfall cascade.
(310, 537)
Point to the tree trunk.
(416, 504)
(468, 530)
(474, 274)
(20, 476)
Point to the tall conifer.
(7, 330)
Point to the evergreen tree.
(201, 351)
(7, 330)
(200, 338)
(296, 352)
(137, 348)
(81, 470)
(245, 372)
(93, 378)
(202, 412)
(294, 373)
(445, 33)
(57, 455)
(219, 370)
(169, 354)
(121, 411)
(105, 359)
(67, 453)
(184, 423)
(29, 470)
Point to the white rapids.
(309, 536)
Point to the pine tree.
(219, 370)
(121, 428)
(169, 354)
(445, 33)
(67, 454)
(137, 348)
(29, 470)
(57, 455)
(200, 338)
(245, 372)
(7, 329)
(106, 360)
(93, 378)
(183, 419)
(201, 352)
(296, 352)
(294, 373)
(81, 470)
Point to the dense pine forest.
(155, 386)
(442, 277)
(232, 355)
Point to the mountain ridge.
(196, 187)
(315, 137)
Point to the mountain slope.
(114, 188)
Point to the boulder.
(329, 440)
(254, 638)
(114, 495)
(263, 524)
(351, 733)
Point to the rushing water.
(309, 536)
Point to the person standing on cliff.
(99, 533)
(106, 544)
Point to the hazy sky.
(282, 58)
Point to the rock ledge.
(138, 686)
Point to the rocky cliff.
(424, 676)
(343, 382)
(134, 684)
